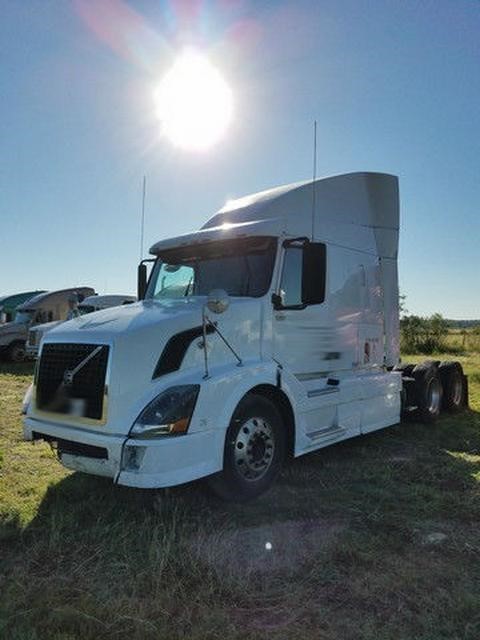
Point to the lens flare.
(194, 103)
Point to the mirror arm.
(204, 332)
(215, 327)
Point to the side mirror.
(141, 281)
(314, 273)
(218, 301)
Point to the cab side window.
(303, 277)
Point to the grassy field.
(462, 340)
(377, 538)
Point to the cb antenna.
(143, 217)
(314, 176)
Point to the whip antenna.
(314, 176)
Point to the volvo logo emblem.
(69, 374)
(68, 377)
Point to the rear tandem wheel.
(432, 386)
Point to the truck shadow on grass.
(378, 535)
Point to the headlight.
(168, 414)
(27, 399)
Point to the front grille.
(80, 394)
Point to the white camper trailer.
(271, 331)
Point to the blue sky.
(394, 86)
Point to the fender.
(233, 387)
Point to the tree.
(422, 334)
(401, 304)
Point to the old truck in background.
(272, 331)
(44, 307)
(9, 304)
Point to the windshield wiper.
(187, 288)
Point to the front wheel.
(254, 450)
(16, 352)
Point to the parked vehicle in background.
(9, 304)
(96, 303)
(272, 331)
(88, 305)
(45, 307)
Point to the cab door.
(303, 338)
(300, 325)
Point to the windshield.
(242, 267)
(24, 317)
(85, 308)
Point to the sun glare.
(194, 103)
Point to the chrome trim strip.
(330, 431)
(322, 392)
(311, 376)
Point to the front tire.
(16, 352)
(254, 451)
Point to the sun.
(194, 103)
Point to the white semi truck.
(271, 331)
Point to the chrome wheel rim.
(434, 396)
(254, 448)
(457, 391)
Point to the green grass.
(350, 526)
(463, 340)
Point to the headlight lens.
(168, 414)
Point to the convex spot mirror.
(218, 301)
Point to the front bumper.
(148, 464)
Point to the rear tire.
(451, 375)
(428, 392)
(254, 450)
(16, 352)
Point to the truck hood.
(46, 326)
(108, 324)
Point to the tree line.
(427, 334)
